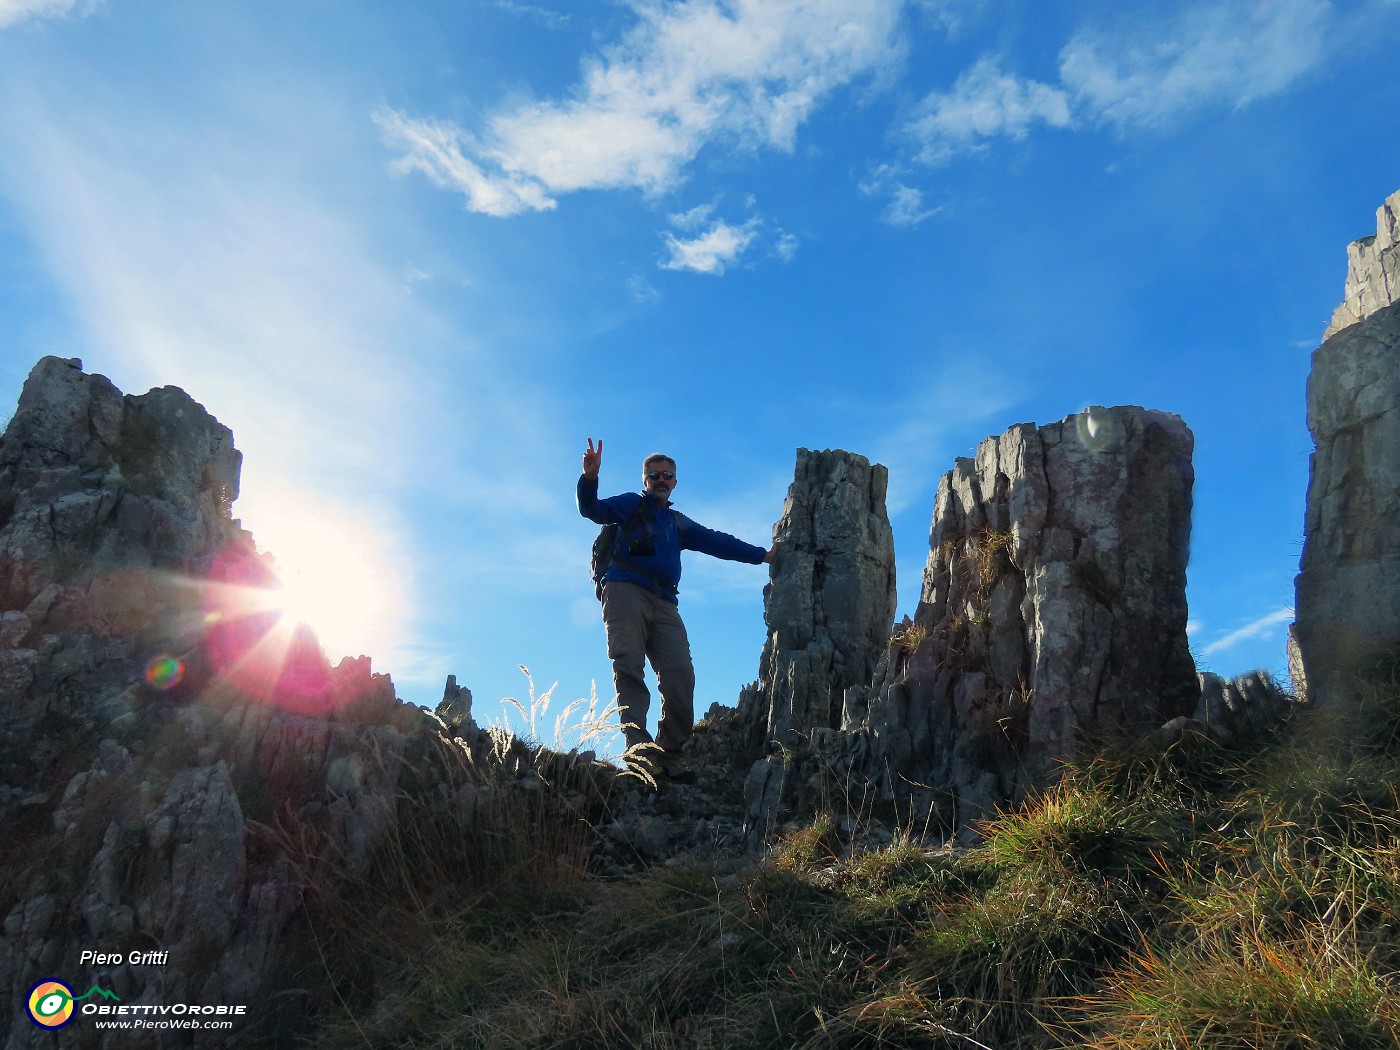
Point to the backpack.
(605, 551)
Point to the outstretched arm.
(696, 537)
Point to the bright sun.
(334, 581)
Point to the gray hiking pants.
(641, 625)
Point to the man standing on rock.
(638, 591)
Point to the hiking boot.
(673, 770)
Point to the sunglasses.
(664, 475)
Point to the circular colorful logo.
(51, 1004)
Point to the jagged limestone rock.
(1348, 589)
(763, 799)
(831, 599)
(93, 482)
(1053, 614)
(132, 756)
(1373, 270)
(456, 706)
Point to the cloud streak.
(1256, 629)
(439, 151)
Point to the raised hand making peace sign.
(593, 459)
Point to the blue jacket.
(671, 534)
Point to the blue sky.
(413, 254)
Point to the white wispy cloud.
(1255, 629)
(906, 207)
(1220, 53)
(540, 15)
(12, 12)
(711, 250)
(692, 220)
(641, 290)
(1137, 75)
(745, 73)
(438, 151)
(952, 15)
(985, 103)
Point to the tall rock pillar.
(828, 608)
(832, 597)
(1348, 589)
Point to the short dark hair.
(657, 457)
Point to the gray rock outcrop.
(831, 599)
(1053, 610)
(1373, 270)
(828, 609)
(93, 482)
(105, 500)
(1348, 590)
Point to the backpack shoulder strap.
(662, 586)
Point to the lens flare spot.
(1094, 427)
(165, 672)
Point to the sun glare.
(334, 581)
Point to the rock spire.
(1348, 587)
(831, 600)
